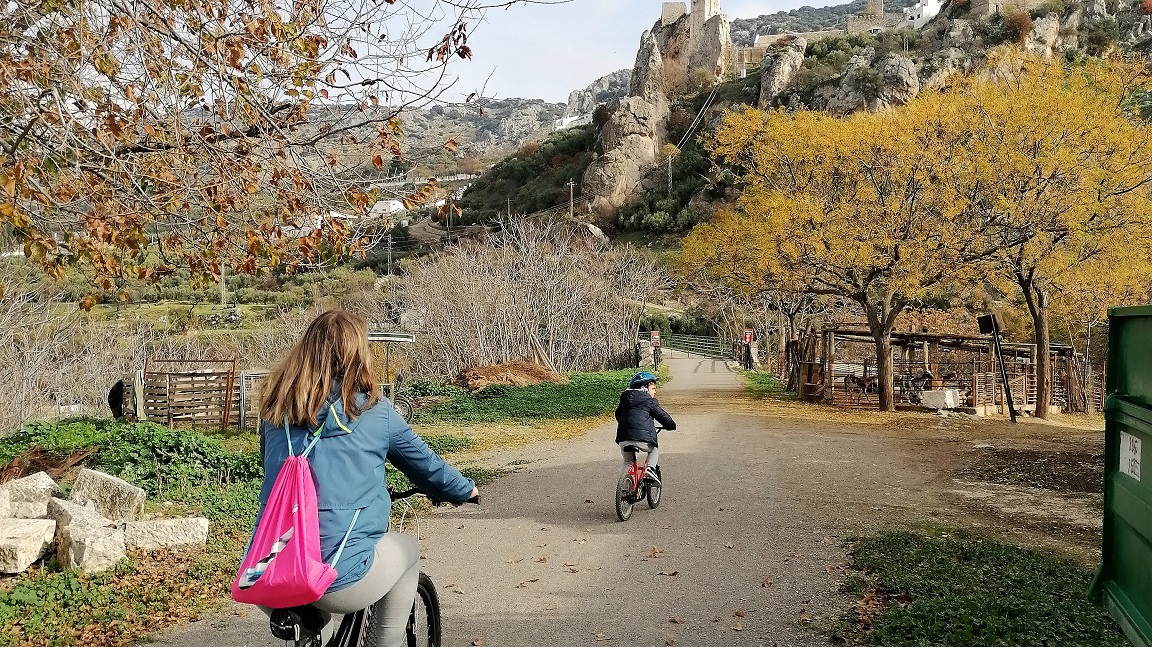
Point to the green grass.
(586, 394)
(962, 589)
(763, 384)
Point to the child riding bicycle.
(636, 417)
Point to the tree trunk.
(884, 379)
(1038, 308)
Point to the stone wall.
(670, 12)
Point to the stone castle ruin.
(683, 52)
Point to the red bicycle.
(633, 487)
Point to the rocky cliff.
(671, 62)
(602, 90)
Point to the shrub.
(1101, 36)
(1017, 24)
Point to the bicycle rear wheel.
(424, 623)
(624, 500)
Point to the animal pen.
(199, 393)
(837, 366)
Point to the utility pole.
(669, 175)
(571, 200)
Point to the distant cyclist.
(636, 417)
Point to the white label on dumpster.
(1130, 455)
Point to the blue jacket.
(635, 415)
(348, 466)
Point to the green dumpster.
(1124, 582)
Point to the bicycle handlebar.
(397, 496)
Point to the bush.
(1101, 36)
(1058, 7)
(1018, 25)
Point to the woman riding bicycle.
(325, 384)
(636, 417)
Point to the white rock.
(68, 514)
(90, 548)
(5, 503)
(37, 488)
(166, 533)
(114, 498)
(23, 541)
(29, 510)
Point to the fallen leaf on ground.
(669, 573)
(676, 620)
(542, 545)
(460, 527)
(573, 570)
(669, 641)
(655, 552)
(479, 642)
(729, 544)
(739, 613)
(602, 637)
(542, 560)
(569, 564)
(589, 501)
(739, 626)
(458, 591)
(766, 583)
(551, 606)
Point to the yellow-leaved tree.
(1032, 174)
(864, 208)
(1063, 169)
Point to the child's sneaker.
(652, 474)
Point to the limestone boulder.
(113, 498)
(602, 90)
(1045, 36)
(23, 541)
(68, 514)
(648, 74)
(779, 67)
(166, 533)
(891, 81)
(633, 131)
(5, 504)
(712, 48)
(946, 64)
(1094, 9)
(90, 548)
(30, 510)
(37, 488)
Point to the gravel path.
(746, 547)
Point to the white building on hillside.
(922, 13)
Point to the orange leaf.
(378, 161)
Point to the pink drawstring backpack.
(282, 567)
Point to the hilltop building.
(874, 20)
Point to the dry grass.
(504, 435)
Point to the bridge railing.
(698, 345)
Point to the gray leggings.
(628, 451)
(390, 584)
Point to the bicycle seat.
(297, 622)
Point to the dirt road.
(746, 547)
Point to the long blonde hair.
(333, 350)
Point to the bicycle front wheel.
(424, 623)
(403, 407)
(624, 501)
(654, 495)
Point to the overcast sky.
(546, 51)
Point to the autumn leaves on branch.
(1030, 178)
(141, 135)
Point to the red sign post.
(749, 335)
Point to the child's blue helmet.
(641, 379)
